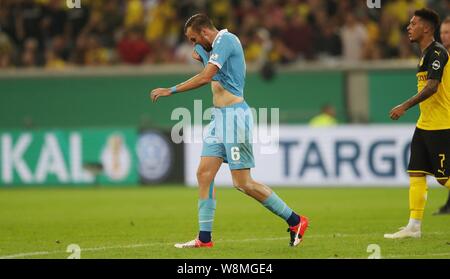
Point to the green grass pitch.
(145, 222)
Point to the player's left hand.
(159, 92)
(397, 112)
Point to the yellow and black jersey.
(434, 111)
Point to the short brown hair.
(197, 22)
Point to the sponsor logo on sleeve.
(436, 65)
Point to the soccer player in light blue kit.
(229, 133)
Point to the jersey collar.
(218, 35)
(428, 47)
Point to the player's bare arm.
(196, 81)
(427, 92)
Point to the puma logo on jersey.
(421, 62)
(442, 172)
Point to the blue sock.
(293, 220)
(206, 209)
(204, 237)
(280, 208)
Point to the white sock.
(414, 224)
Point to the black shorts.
(430, 153)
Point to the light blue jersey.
(227, 54)
(229, 134)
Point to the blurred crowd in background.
(46, 33)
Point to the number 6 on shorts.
(235, 153)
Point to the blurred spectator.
(7, 21)
(112, 21)
(253, 46)
(440, 6)
(328, 42)
(326, 118)
(220, 11)
(54, 22)
(390, 32)
(60, 47)
(30, 56)
(272, 15)
(79, 52)
(281, 53)
(77, 20)
(298, 37)
(99, 33)
(402, 10)
(103, 24)
(372, 49)
(53, 61)
(94, 53)
(132, 48)
(246, 10)
(183, 53)
(162, 25)
(28, 21)
(354, 38)
(5, 51)
(134, 13)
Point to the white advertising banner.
(350, 155)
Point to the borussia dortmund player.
(445, 38)
(430, 147)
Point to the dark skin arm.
(427, 92)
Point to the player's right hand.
(397, 112)
(159, 92)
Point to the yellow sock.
(417, 196)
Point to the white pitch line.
(337, 235)
(22, 255)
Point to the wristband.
(173, 89)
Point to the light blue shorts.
(229, 136)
